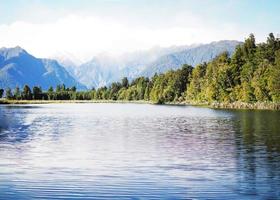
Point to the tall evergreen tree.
(1, 92)
(17, 93)
(37, 93)
(26, 93)
(125, 83)
(9, 94)
(274, 79)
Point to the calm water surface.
(135, 151)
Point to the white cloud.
(86, 36)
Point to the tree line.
(251, 74)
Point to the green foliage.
(9, 94)
(252, 74)
(196, 83)
(125, 83)
(102, 93)
(26, 93)
(37, 93)
(260, 81)
(73, 89)
(274, 79)
(1, 92)
(17, 93)
(249, 48)
(114, 89)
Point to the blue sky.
(117, 26)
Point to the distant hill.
(192, 56)
(104, 70)
(17, 68)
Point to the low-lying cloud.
(86, 36)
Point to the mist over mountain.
(103, 70)
(192, 56)
(17, 68)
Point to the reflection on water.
(131, 151)
(3, 122)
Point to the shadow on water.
(17, 123)
(4, 122)
(21, 106)
(11, 128)
(257, 138)
(259, 128)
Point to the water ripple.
(131, 151)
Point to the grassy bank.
(234, 105)
(251, 106)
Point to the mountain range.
(103, 70)
(18, 67)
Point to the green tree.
(183, 77)
(73, 89)
(217, 80)
(37, 93)
(274, 79)
(63, 87)
(58, 88)
(50, 89)
(26, 93)
(9, 94)
(125, 83)
(1, 92)
(272, 45)
(237, 61)
(159, 84)
(114, 89)
(50, 93)
(247, 74)
(102, 93)
(260, 81)
(249, 47)
(194, 92)
(17, 93)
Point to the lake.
(138, 151)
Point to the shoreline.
(215, 105)
(24, 102)
(248, 106)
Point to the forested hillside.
(251, 75)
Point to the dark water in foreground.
(130, 151)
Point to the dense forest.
(251, 74)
